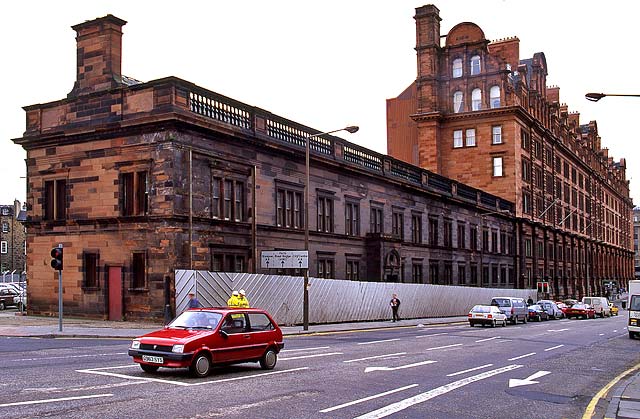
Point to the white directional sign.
(285, 259)
(529, 380)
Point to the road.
(541, 370)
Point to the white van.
(599, 304)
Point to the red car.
(200, 338)
(581, 311)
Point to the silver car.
(490, 315)
(513, 307)
(551, 308)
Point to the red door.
(115, 293)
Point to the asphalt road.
(541, 370)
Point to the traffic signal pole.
(57, 264)
(60, 300)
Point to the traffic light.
(545, 287)
(540, 286)
(56, 262)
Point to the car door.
(233, 347)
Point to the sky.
(326, 64)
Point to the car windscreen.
(481, 309)
(535, 307)
(635, 303)
(501, 302)
(197, 320)
(579, 306)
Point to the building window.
(397, 224)
(470, 139)
(457, 102)
(5, 211)
(497, 166)
(352, 219)
(485, 240)
(134, 193)
(485, 275)
(416, 272)
(216, 187)
(503, 243)
(325, 268)
(457, 138)
(433, 271)
(526, 203)
(475, 65)
(325, 214)
(496, 134)
(55, 199)
(448, 232)
(527, 247)
(448, 273)
(526, 171)
(139, 270)
(227, 199)
(3, 247)
(289, 209)
(462, 274)
(376, 220)
(494, 97)
(90, 268)
(473, 274)
(473, 237)
(494, 241)
(524, 137)
(457, 68)
(461, 236)
(476, 99)
(5, 227)
(353, 270)
(433, 231)
(416, 228)
(494, 275)
(226, 262)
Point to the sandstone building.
(12, 240)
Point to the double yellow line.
(588, 413)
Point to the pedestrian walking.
(233, 300)
(242, 300)
(395, 306)
(193, 301)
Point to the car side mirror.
(224, 334)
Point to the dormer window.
(457, 102)
(475, 65)
(457, 68)
(494, 97)
(476, 100)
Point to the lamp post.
(594, 97)
(305, 299)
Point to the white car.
(490, 315)
(21, 300)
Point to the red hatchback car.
(580, 311)
(200, 338)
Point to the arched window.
(457, 68)
(457, 102)
(475, 65)
(494, 96)
(476, 100)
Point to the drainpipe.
(254, 223)
(190, 209)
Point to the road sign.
(285, 259)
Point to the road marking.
(185, 384)
(374, 357)
(601, 334)
(522, 356)
(615, 331)
(305, 349)
(63, 399)
(513, 382)
(433, 334)
(469, 370)
(423, 397)
(378, 341)
(487, 339)
(443, 347)
(310, 356)
(553, 347)
(591, 407)
(417, 364)
(557, 330)
(65, 357)
(375, 396)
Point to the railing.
(362, 158)
(406, 172)
(440, 183)
(466, 192)
(214, 108)
(291, 134)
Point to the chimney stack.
(99, 44)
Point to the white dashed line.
(443, 347)
(553, 347)
(310, 356)
(374, 357)
(305, 349)
(522, 356)
(487, 339)
(378, 341)
(469, 370)
(63, 399)
(375, 396)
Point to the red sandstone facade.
(481, 115)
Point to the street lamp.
(305, 300)
(594, 97)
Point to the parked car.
(563, 307)
(599, 304)
(490, 315)
(514, 308)
(552, 309)
(613, 309)
(537, 313)
(200, 338)
(570, 301)
(6, 297)
(581, 311)
(20, 300)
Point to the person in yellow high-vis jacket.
(233, 300)
(243, 302)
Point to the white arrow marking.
(487, 339)
(529, 380)
(417, 364)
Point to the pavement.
(621, 395)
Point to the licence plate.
(153, 359)
(479, 315)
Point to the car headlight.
(135, 344)
(178, 349)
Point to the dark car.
(537, 313)
(580, 311)
(7, 296)
(201, 338)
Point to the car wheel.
(470, 324)
(632, 335)
(514, 320)
(525, 320)
(149, 368)
(269, 359)
(504, 323)
(493, 323)
(201, 366)
(2, 306)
